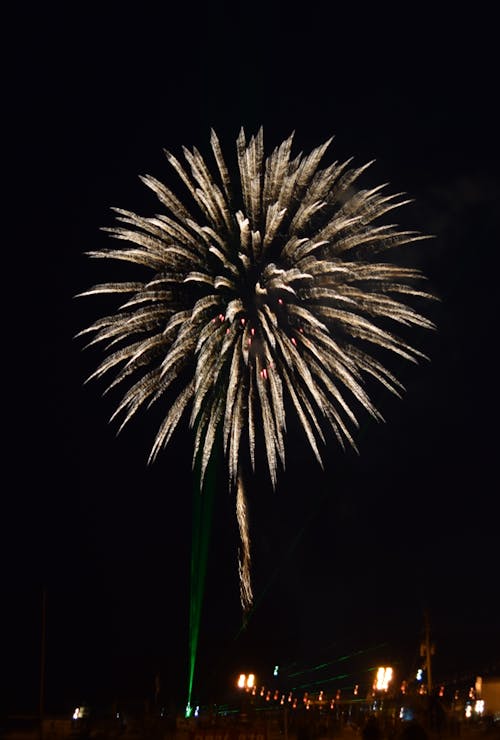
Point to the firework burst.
(265, 292)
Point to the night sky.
(345, 559)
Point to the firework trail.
(266, 292)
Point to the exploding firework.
(265, 293)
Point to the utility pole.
(42, 661)
(426, 650)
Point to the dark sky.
(347, 558)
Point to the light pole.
(381, 684)
(247, 683)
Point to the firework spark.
(265, 292)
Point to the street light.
(383, 679)
(246, 681)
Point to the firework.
(266, 292)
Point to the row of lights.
(248, 683)
(383, 679)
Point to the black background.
(347, 558)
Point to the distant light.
(479, 706)
(468, 710)
(241, 681)
(196, 711)
(479, 685)
(406, 714)
(276, 669)
(188, 711)
(419, 675)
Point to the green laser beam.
(203, 499)
(320, 666)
